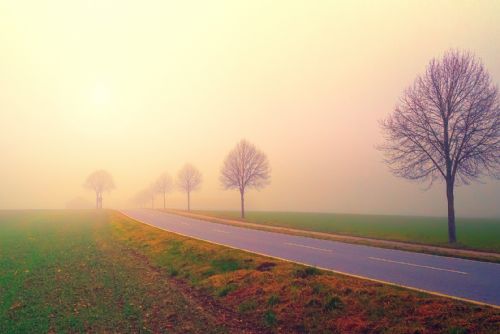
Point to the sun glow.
(101, 95)
(139, 88)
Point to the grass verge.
(472, 233)
(286, 297)
(444, 249)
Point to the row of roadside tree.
(245, 167)
(445, 127)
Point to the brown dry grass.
(282, 297)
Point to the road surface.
(472, 280)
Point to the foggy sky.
(142, 87)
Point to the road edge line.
(326, 236)
(322, 268)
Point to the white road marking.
(221, 231)
(310, 247)
(418, 265)
(413, 288)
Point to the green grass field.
(473, 233)
(63, 272)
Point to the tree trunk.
(452, 237)
(189, 201)
(242, 197)
(97, 200)
(164, 201)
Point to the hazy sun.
(101, 94)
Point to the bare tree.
(152, 191)
(446, 126)
(99, 181)
(245, 167)
(164, 186)
(189, 179)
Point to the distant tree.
(164, 185)
(142, 198)
(446, 126)
(245, 167)
(152, 191)
(189, 179)
(99, 181)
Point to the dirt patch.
(265, 266)
(203, 302)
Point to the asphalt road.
(473, 280)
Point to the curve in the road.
(473, 281)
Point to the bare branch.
(164, 183)
(446, 124)
(99, 181)
(189, 178)
(245, 167)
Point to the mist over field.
(142, 88)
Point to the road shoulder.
(389, 244)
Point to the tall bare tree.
(446, 126)
(189, 179)
(245, 167)
(99, 181)
(164, 186)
